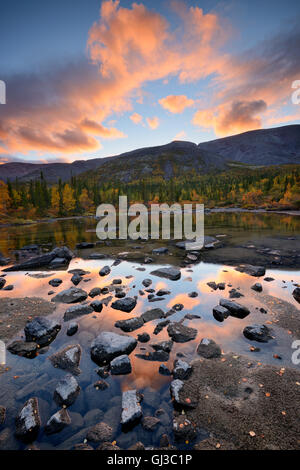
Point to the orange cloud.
(153, 123)
(176, 103)
(136, 118)
(98, 129)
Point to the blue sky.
(143, 75)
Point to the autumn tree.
(68, 199)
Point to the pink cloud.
(153, 123)
(176, 103)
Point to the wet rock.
(143, 338)
(97, 305)
(94, 292)
(67, 358)
(178, 307)
(181, 333)
(170, 273)
(269, 279)
(125, 305)
(208, 349)
(104, 271)
(161, 356)
(2, 282)
(76, 279)
(257, 287)
(193, 294)
(67, 390)
(79, 271)
(183, 429)
(255, 271)
(131, 324)
(152, 314)
(235, 309)
(103, 372)
(221, 285)
(58, 422)
(150, 423)
(70, 296)
(164, 441)
(296, 294)
(162, 292)
(260, 333)
(163, 345)
(148, 260)
(120, 365)
(220, 313)
(28, 421)
(235, 294)
(164, 370)
(72, 329)
(160, 251)
(120, 295)
(77, 311)
(62, 253)
(131, 407)
(182, 370)
(97, 256)
(101, 432)
(108, 345)
(23, 348)
(212, 285)
(42, 330)
(55, 282)
(101, 385)
(117, 281)
(160, 326)
(2, 415)
(85, 245)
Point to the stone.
(161, 356)
(42, 330)
(147, 282)
(131, 407)
(150, 423)
(84, 245)
(61, 253)
(130, 325)
(2, 415)
(181, 333)
(163, 345)
(152, 314)
(269, 279)
(162, 292)
(212, 285)
(101, 432)
(193, 294)
(108, 446)
(97, 306)
(66, 391)
(183, 429)
(160, 251)
(182, 370)
(296, 294)
(72, 329)
(70, 296)
(169, 273)
(101, 385)
(94, 292)
(164, 370)
(104, 271)
(260, 333)
(208, 348)
(108, 345)
(58, 422)
(2, 282)
(255, 271)
(67, 358)
(23, 348)
(125, 305)
(28, 421)
(143, 337)
(220, 313)
(120, 365)
(160, 326)
(235, 309)
(77, 311)
(55, 282)
(235, 294)
(76, 279)
(257, 287)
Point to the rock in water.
(220, 313)
(120, 365)
(97, 306)
(28, 421)
(260, 333)
(72, 329)
(77, 311)
(130, 325)
(104, 271)
(150, 423)
(108, 345)
(182, 370)
(58, 422)
(67, 391)
(101, 432)
(70, 296)
(42, 330)
(153, 314)
(208, 348)
(257, 287)
(170, 273)
(181, 333)
(94, 292)
(255, 271)
(131, 407)
(55, 282)
(2, 415)
(296, 294)
(235, 309)
(76, 279)
(2, 282)
(125, 305)
(68, 358)
(22, 348)
(62, 253)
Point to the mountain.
(263, 147)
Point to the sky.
(91, 78)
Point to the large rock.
(131, 407)
(23, 348)
(130, 325)
(220, 313)
(42, 330)
(101, 432)
(46, 260)
(255, 271)
(120, 365)
(182, 370)
(163, 346)
(58, 422)
(170, 273)
(108, 345)
(28, 421)
(67, 391)
(77, 311)
(153, 314)
(67, 358)
(70, 296)
(208, 348)
(235, 309)
(260, 333)
(125, 305)
(181, 333)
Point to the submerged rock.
(164, 370)
(131, 407)
(235, 309)
(97, 305)
(160, 251)
(182, 370)
(104, 271)
(58, 422)
(125, 305)
(257, 287)
(67, 358)
(108, 345)
(61, 253)
(28, 421)
(255, 271)
(77, 311)
(161, 356)
(55, 282)
(131, 324)
(260, 333)
(101, 432)
(2, 282)
(70, 296)
(84, 245)
(163, 345)
(208, 349)
(23, 348)
(42, 330)
(152, 314)
(150, 423)
(67, 391)
(120, 365)
(181, 333)
(170, 273)
(147, 282)
(72, 329)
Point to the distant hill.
(263, 147)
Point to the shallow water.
(37, 377)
